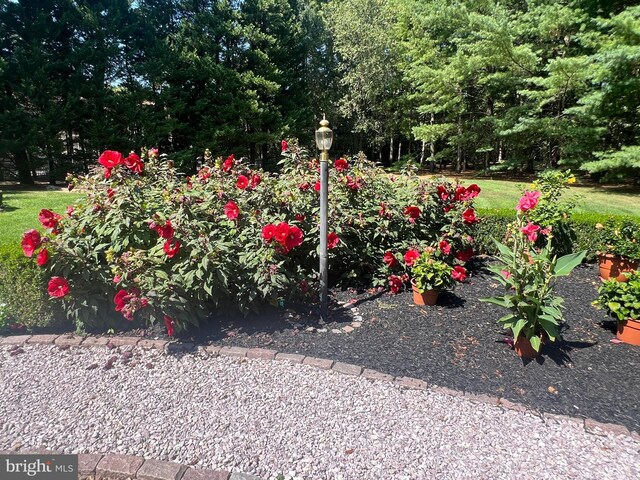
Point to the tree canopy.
(474, 84)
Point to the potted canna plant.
(528, 275)
(619, 248)
(622, 300)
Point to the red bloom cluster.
(231, 210)
(129, 302)
(411, 256)
(528, 201)
(459, 273)
(31, 241)
(43, 257)
(463, 194)
(390, 259)
(169, 323)
(341, 165)
(332, 240)
(228, 163)
(171, 247)
(242, 182)
(58, 287)
(49, 219)
(531, 231)
(465, 255)
(445, 247)
(395, 283)
(412, 212)
(165, 231)
(110, 159)
(284, 145)
(354, 183)
(288, 236)
(469, 216)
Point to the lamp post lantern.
(324, 139)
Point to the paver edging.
(590, 426)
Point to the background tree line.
(471, 84)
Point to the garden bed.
(457, 344)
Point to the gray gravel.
(270, 418)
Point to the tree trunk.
(422, 152)
(25, 175)
(399, 149)
(52, 166)
(459, 147)
(391, 153)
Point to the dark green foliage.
(621, 299)
(23, 290)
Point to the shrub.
(157, 247)
(619, 236)
(621, 299)
(22, 293)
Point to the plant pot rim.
(615, 255)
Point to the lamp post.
(324, 139)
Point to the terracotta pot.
(523, 347)
(429, 297)
(629, 332)
(612, 266)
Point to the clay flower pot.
(429, 297)
(523, 347)
(613, 266)
(629, 332)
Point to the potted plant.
(429, 276)
(622, 300)
(528, 275)
(619, 248)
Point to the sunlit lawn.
(500, 194)
(21, 209)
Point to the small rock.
(310, 329)
(93, 366)
(149, 365)
(356, 324)
(348, 329)
(322, 330)
(335, 330)
(17, 351)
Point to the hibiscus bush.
(148, 244)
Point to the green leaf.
(535, 342)
(517, 328)
(565, 265)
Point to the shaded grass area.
(504, 194)
(21, 208)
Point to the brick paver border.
(589, 425)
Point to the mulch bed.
(458, 344)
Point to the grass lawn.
(603, 200)
(21, 209)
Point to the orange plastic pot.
(523, 347)
(629, 332)
(429, 297)
(613, 266)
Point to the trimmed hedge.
(494, 225)
(23, 290)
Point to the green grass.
(503, 194)
(21, 208)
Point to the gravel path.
(270, 417)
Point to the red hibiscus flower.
(445, 247)
(242, 182)
(411, 256)
(316, 187)
(390, 259)
(531, 231)
(171, 247)
(169, 323)
(284, 145)
(443, 193)
(70, 210)
(305, 186)
(129, 301)
(166, 231)
(58, 287)
(528, 201)
(341, 165)
(48, 219)
(231, 210)
(134, 163)
(473, 191)
(332, 240)
(204, 174)
(281, 232)
(43, 257)
(461, 193)
(395, 283)
(465, 255)
(268, 232)
(469, 216)
(110, 159)
(31, 240)
(459, 273)
(300, 217)
(107, 173)
(412, 212)
(228, 163)
(110, 193)
(506, 274)
(294, 238)
(255, 180)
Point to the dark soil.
(458, 344)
